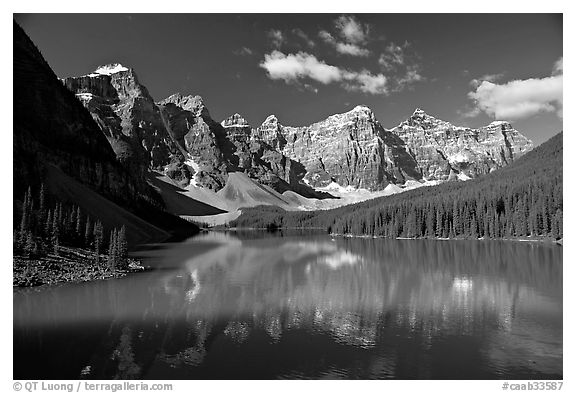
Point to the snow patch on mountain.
(194, 165)
(107, 69)
(110, 69)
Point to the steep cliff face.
(208, 153)
(261, 161)
(443, 150)
(351, 149)
(52, 127)
(128, 116)
(179, 137)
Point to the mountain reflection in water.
(217, 306)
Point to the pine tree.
(473, 228)
(88, 232)
(29, 245)
(41, 205)
(122, 246)
(55, 234)
(113, 250)
(25, 219)
(48, 226)
(78, 223)
(98, 238)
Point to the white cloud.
(397, 60)
(292, 67)
(519, 99)
(300, 33)
(366, 82)
(352, 30)
(558, 67)
(302, 66)
(277, 38)
(351, 49)
(343, 47)
(411, 76)
(393, 56)
(488, 77)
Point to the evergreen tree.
(113, 250)
(29, 245)
(48, 226)
(98, 238)
(78, 223)
(42, 201)
(25, 219)
(55, 234)
(88, 232)
(122, 247)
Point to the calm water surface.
(304, 306)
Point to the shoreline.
(518, 239)
(71, 265)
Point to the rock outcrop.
(443, 150)
(128, 116)
(351, 149)
(179, 137)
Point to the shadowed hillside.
(53, 130)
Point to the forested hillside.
(522, 199)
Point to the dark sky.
(305, 67)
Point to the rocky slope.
(128, 116)
(179, 137)
(443, 150)
(351, 149)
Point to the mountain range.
(298, 166)
(106, 131)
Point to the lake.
(304, 305)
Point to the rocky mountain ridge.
(443, 150)
(178, 136)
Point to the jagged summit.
(359, 111)
(362, 108)
(109, 69)
(236, 120)
(444, 150)
(423, 120)
(194, 104)
(350, 148)
(271, 119)
(500, 123)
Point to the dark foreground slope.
(53, 130)
(522, 199)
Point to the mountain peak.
(194, 104)
(109, 69)
(419, 112)
(500, 123)
(236, 120)
(362, 108)
(271, 119)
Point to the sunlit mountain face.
(317, 306)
